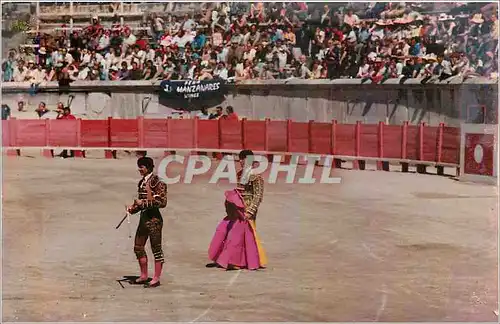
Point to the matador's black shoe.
(139, 281)
(149, 285)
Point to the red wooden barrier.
(380, 145)
(368, 140)
(181, 133)
(345, 135)
(298, 137)
(320, 138)
(392, 141)
(333, 141)
(405, 142)
(94, 133)
(208, 134)
(63, 133)
(124, 133)
(276, 136)
(255, 135)
(412, 142)
(30, 133)
(230, 135)
(450, 152)
(430, 143)
(155, 133)
(6, 139)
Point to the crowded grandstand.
(267, 40)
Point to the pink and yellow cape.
(235, 242)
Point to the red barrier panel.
(430, 143)
(181, 133)
(230, 134)
(6, 133)
(345, 135)
(320, 138)
(277, 136)
(298, 137)
(412, 138)
(94, 133)
(208, 134)
(439, 144)
(62, 133)
(254, 135)
(392, 141)
(30, 133)
(369, 143)
(155, 133)
(451, 145)
(124, 133)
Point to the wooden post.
(71, 21)
(47, 152)
(37, 16)
(79, 153)
(266, 139)
(13, 137)
(219, 155)
(337, 163)
(357, 164)
(439, 150)
(421, 168)
(244, 144)
(404, 144)
(140, 131)
(310, 148)
(381, 165)
(195, 135)
(288, 157)
(169, 136)
(109, 154)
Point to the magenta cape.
(235, 241)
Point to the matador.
(152, 195)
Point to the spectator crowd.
(241, 41)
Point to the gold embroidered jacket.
(153, 194)
(252, 192)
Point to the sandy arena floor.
(381, 246)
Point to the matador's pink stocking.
(158, 270)
(143, 264)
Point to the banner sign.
(191, 94)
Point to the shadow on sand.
(131, 280)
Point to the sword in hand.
(127, 215)
(121, 222)
(128, 221)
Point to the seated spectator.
(218, 113)
(67, 114)
(5, 112)
(203, 114)
(124, 73)
(267, 40)
(20, 106)
(230, 114)
(41, 110)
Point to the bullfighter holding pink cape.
(235, 244)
